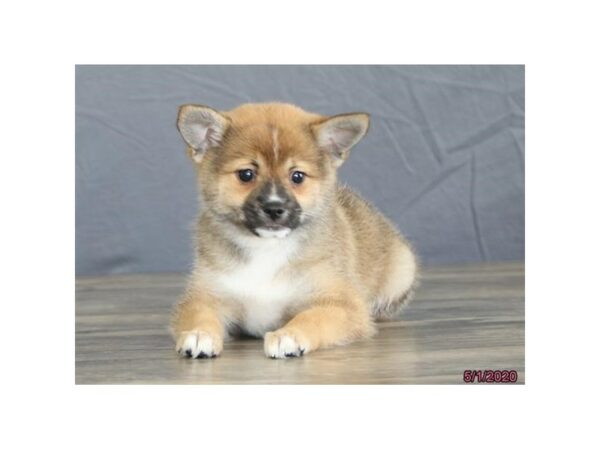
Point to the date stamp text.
(490, 376)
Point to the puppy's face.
(268, 168)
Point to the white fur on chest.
(261, 286)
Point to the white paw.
(197, 344)
(284, 344)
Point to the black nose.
(275, 210)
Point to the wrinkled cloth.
(443, 159)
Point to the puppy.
(283, 251)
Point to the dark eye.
(246, 175)
(298, 177)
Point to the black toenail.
(202, 355)
(188, 353)
(301, 351)
(293, 355)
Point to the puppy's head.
(268, 168)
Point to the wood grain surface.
(463, 317)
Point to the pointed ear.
(338, 134)
(202, 128)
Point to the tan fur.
(345, 268)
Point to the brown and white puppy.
(283, 251)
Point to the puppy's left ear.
(338, 134)
(202, 128)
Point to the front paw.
(285, 343)
(198, 344)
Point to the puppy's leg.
(330, 320)
(398, 284)
(196, 326)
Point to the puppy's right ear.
(202, 128)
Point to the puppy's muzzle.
(271, 208)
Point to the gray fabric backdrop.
(443, 157)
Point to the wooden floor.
(468, 317)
